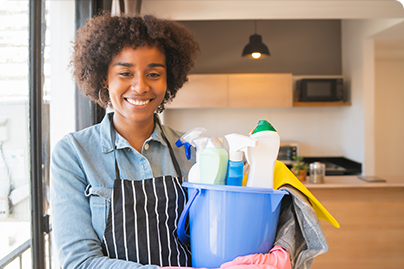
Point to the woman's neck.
(135, 133)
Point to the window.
(27, 93)
(15, 213)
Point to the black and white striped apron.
(142, 220)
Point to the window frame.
(36, 48)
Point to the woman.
(116, 192)
(136, 65)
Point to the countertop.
(354, 182)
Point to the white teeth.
(138, 102)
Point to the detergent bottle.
(237, 145)
(194, 175)
(263, 156)
(213, 162)
(187, 140)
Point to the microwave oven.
(288, 150)
(320, 90)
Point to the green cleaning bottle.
(213, 162)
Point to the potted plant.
(299, 168)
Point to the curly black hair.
(104, 36)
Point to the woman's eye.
(125, 74)
(154, 75)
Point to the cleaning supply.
(213, 162)
(237, 145)
(263, 156)
(276, 258)
(226, 222)
(187, 140)
(283, 176)
(194, 175)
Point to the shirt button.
(146, 147)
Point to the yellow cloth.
(283, 176)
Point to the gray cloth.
(299, 231)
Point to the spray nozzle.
(239, 143)
(187, 140)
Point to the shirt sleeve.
(76, 242)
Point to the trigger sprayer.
(187, 140)
(237, 145)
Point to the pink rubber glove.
(277, 258)
(176, 267)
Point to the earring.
(99, 97)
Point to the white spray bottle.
(263, 156)
(237, 145)
(187, 140)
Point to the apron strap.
(173, 159)
(113, 140)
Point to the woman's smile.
(137, 102)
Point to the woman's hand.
(277, 258)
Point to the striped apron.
(142, 220)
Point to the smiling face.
(137, 82)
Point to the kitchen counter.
(371, 218)
(355, 182)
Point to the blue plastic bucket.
(228, 221)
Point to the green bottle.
(213, 162)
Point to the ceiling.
(273, 9)
(388, 42)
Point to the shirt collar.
(106, 135)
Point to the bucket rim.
(232, 188)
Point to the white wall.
(358, 67)
(389, 120)
(62, 113)
(318, 130)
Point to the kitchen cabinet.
(241, 90)
(372, 224)
(202, 91)
(235, 90)
(260, 90)
(311, 104)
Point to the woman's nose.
(140, 85)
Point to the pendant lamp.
(255, 49)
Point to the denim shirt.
(82, 178)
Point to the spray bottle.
(187, 140)
(213, 162)
(237, 145)
(263, 156)
(194, 175)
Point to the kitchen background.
(301, 47)
(368, 131)
(361, 41)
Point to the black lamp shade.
(255, 45)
